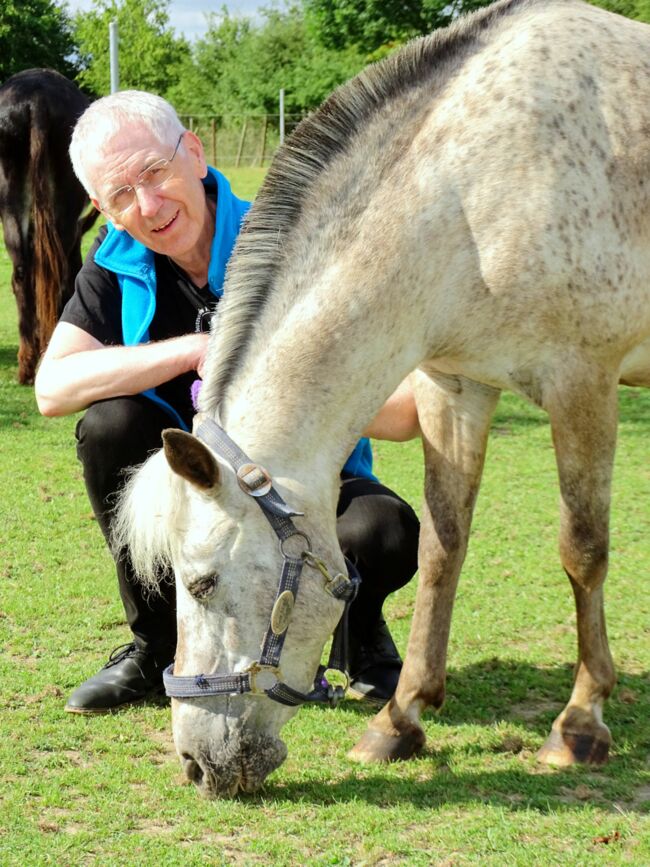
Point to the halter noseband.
(264, 676)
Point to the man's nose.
(148, 200)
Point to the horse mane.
(314, 144)
(145, 519)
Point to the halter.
(264, 676)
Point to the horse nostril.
(193, 770)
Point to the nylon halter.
(264, 676)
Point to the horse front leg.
(455, 419)
(583, 421)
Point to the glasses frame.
(139, 183)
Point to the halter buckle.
(254, 480)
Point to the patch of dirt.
(510, 744)
(50, 691)
(641, 796)
(580, 794)
(531, 710)
(166, 750)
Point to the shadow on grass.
(495, 690)
(545, 790)
(522, 700)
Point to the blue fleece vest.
(134, 266)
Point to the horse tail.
(50, 261)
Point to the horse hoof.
(569, 748)
(375, 746)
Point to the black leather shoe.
(375, 666)
(131, 674)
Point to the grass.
(108, 790)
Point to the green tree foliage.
(150, 54)
(34, 33)
(372, 26)
(239, 67)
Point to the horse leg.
(583, 421)
(455, 418)
(15, 229)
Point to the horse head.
(239, 644)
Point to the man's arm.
(397, 420)
(77, 369)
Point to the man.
(129, 345)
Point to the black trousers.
(378, 531)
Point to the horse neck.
(314, 376)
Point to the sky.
(187, 17)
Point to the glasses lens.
(121, 200)
(155, 175)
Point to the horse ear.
(189, 458)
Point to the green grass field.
(108, 790)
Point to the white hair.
(106, 117)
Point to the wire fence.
(240, 140)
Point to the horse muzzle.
(234, 767)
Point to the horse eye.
(203, 588)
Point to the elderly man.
(129, 345)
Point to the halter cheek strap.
(264, 676)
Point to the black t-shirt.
(96, 307)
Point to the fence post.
(263, 146)
(213, 130)
(241, 142)
(282, 116)
(113, 43)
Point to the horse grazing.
(475, 208)
(41, 202)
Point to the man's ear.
(189, 458)
(194, 147)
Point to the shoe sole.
(103, 711)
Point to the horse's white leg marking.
(455, 416)
(583, 416)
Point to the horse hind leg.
(455, 418)
(16, 231)
(583, 421)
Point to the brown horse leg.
(583, 420)
(455, 418)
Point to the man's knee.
(128, 426)
(378, 529)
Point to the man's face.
(167, 219)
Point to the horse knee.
(585, 554)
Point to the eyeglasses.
(122, 200)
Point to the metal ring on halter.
(293, 536)
(257, 671)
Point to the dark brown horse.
(41, 202)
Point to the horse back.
(506, 191)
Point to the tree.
(240, 66)
(371, 25)
(150, 54)
(35, 33)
